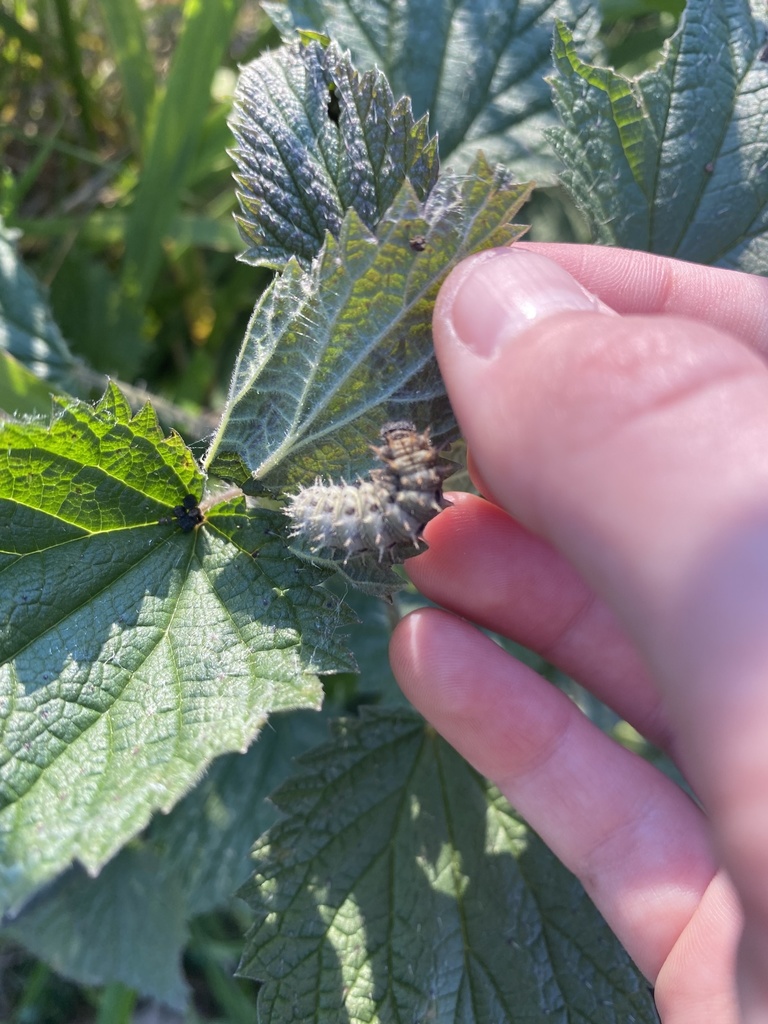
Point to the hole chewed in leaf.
(334, 107)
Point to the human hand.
(626, 539)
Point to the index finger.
(639, 282)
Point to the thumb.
(492, 329)
(602, 433)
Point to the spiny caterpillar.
(383, 515)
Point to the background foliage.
(116, 174)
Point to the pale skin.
(618, 429)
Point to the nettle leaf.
(333, 352)
(130, 924)
(21, 392)
(477, 67)
(82, 927)
(674, 161)
(27, 329)
(135, 644)
(314, 139)
(365, 573)
(401, 886)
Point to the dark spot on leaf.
(418, 243)
(188, 514)
(764, 54)
(334, 109)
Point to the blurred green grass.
(113, 144)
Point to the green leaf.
(403, 887)
(206, 841)
(315, 139)
(135, 643)
(21, 392)
(334, 352)
(27, 329)
(477, 67)
(365, 572)
(369, 641)
(673, 162)
(130, 924)
(86, 928)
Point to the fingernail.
(502, 292)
